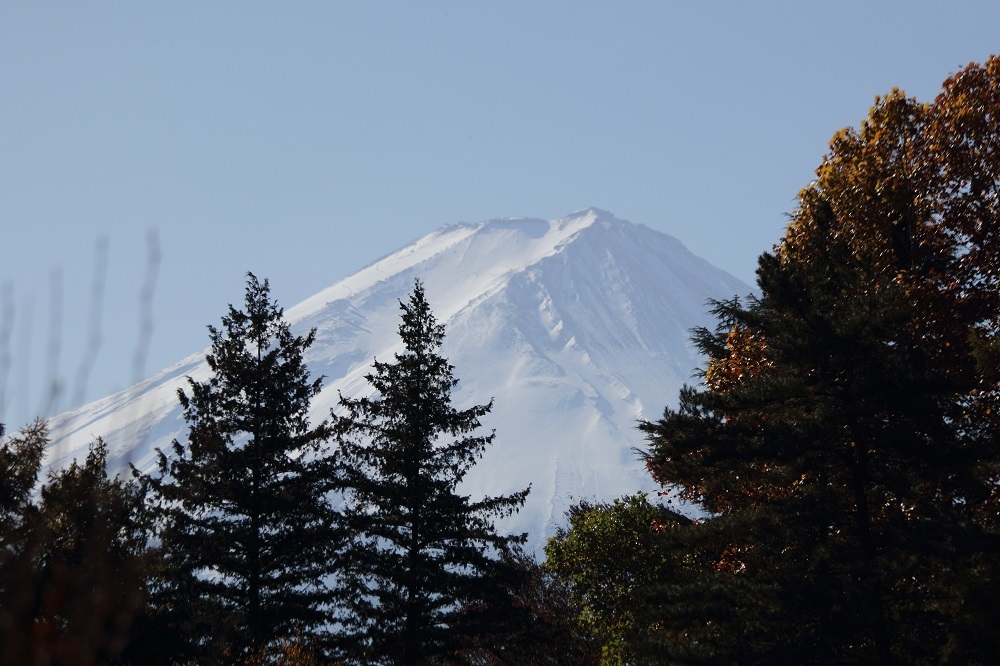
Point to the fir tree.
(420, 579)
(246, 523)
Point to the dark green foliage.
(546, 630)
(246, 526)
(610, 558)
(92, 567)
(73, 566)
(843, 473)
(20, 464)
(81, 501)
(423, 576)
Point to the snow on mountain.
(576, 327)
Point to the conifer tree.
(246, 525)
(844, 439)
(20, 464)
(72, 567)
(420, 578)
(92, 566)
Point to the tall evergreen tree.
(246, 523)
(420, 579)
(844, 439)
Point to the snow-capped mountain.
(576, 327)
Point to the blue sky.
(301, 141)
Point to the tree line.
(264, 538)
(841, 453)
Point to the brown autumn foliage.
(914, 192)
(845, 434)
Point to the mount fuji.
(576, 327)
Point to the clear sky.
(152, 153)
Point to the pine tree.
(246, 524)
(420, 578)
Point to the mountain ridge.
(576, 327)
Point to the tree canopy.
(72, 561)
(845, 439)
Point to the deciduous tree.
(610, 558)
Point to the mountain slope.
(576, 327)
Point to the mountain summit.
(576, 327)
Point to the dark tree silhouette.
(422, 576)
